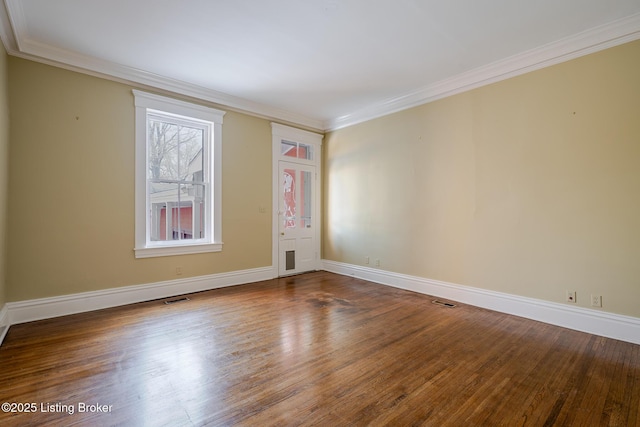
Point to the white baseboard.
(624, 328)
(4, 322)
(45, 308)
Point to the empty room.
(320, 213)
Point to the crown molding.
(75, 62)
(6, 30)
(581, 44)
(17, 43)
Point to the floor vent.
(442, 303)
(173, 301)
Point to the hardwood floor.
(315, 349)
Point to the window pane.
(305, 152)
(305, 195)
(176, 154)
(182, 228)
(196, 196)
(158, 217)
(296, 150)
(289, 188)
(177, 211)
(162, 150)
(175, 151)
(163, 198)
(190, 153)
(289, 149)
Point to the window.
(296, 150)
(178, 175)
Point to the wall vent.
(173, 301)
(443, 303)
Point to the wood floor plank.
(315, 349)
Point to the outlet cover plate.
(596, 300)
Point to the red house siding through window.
(184, 228)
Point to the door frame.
(282, 133)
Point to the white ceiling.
(322, 64)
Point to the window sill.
(157, 251)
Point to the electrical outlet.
(377, 263)
(571, 296)
(596, 300)
(366, 260)
(178, 271)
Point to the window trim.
(144, 248)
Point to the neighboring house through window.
(178, 177)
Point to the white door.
(297, 219)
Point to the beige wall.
(71, 192)
(530, 186)
(4, 168)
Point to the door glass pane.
(305, 196)
(289, 192)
